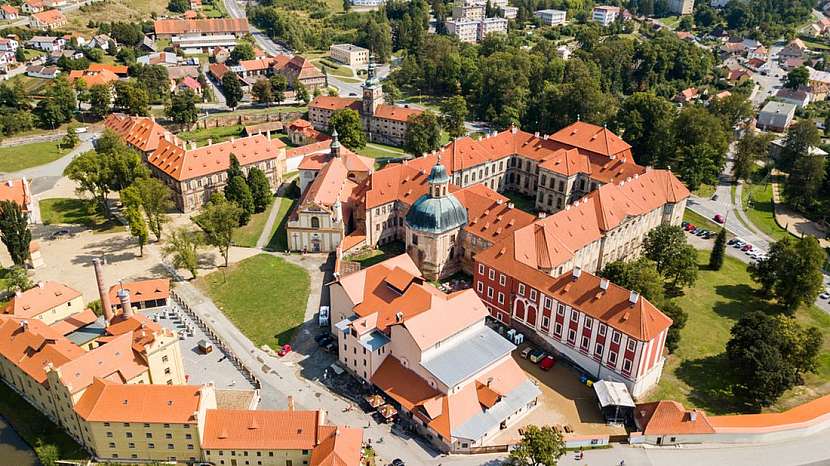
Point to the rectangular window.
(626, 365)
(481, 269)
(480, 286)
(522, 289)
(502, 279)
(598, 349)
(545, 322)
(560, 309)
(533, 295)
(585, 342)
(557, 329)
(153, 445)
(631, 344)
(571, 336)
(501, 298)
(491, 274)
(588, 322)
(490, 292)
(615, 337)
(548, 303)
(602, 329)
(574, 316)
(612, 357)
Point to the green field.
(218, 134)
(278, 241)
(264, 296)
(15, 158)
(380, 151)
(371, 257)
(761, 211)
(71, 211)
(698, 374)
(246, 236)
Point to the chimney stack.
(102, 292)
(290, 403)
(126, 306)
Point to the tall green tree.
(244, 50)
(718, 251)
(261, 91)
(232, 90)
(182, 247)
(797, 77)
(679, 318)
(218, 221)
(138, 227)
(349, 128)
(92, 176)
(675, 259)
(260, 189)
(100, 100)
(453, 114)
(238, 192)
(640, 275)
(801, 138)
(792, 272)
(182, 108)
(701, 142)
(14, 232)
(17, 279)
(804, 182)
(646, 121)
(538, 446)
(301, 92)
(423, 134)
(749, 149)
(154, 198)
(278, 87)
(132, 98)
(731, 109)
(234, 168)
(58, 105)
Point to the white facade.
(465, 30)
(349, 54)
(491, 26)
(682, 7)
(509, 12)
(605, 15)
(551, 17)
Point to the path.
(265, 236)
(793, 221)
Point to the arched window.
(315, 222)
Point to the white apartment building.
(509, 12)
(491, 26)
(682, 7)
(349, 54)
(605, 15)
(470, 11)
(465, 30)
(551, 17)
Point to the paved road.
(770, 84)
(235, 10)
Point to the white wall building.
(551, 17)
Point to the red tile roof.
(334, 103)
(142, 290)
(115, 361)
(39, 299)
(319, 154)
(489, 215)
(667, 417)
(260, 430)
(395, 112)
(120, 70)
(802, 414)
(49, 17)
(331, 185)
(338, 446)
(16, 191)
(74, 322)
(33, 346)
(105, 401)
(142, 133)
(93, 78)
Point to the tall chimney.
(102, 292)
(126, 306)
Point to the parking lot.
(199, 368)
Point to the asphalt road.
(770, 84)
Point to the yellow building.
(48, 302)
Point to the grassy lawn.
(15, 158)
(247, 236)
(35, 428)
(371, 257)
(700, 221)
(705, 191)
(64, 210)
(218, 134)
(698, 374)
(278, 241)
(522, 202)
(116, 10)
(761, 211)
(380, 151)
(333, 68)
(268, 315)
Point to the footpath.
(793, 221)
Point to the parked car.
(526, 351)
(824, 295)
(323, 339)
(547, 363)
(719, 218)
(323, 316)
(331, 346)
(690, 226)
(59, 233)
(683, 225)
(746, 248)
(536, 356)
(286, 348)
(397, 462)
(707, 235)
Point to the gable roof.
(49, 17)
(114, 361)
(106, 401)
(142, 133)
(667, 417)
(39, 299)
(142, 290)
(202, 26)
(33, 346)
(260, 430)
(16, 191)
(338, 446)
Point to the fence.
(246, 119)
(217, 340)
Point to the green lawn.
(15, 158)
(246, 236)
(371, 257)
(278, 241)
(264, 296)
(218, 134)
(700, 221)
(522, 202)
(705, 191)
(761, 210)
(381, 151)
(333, 68)
(35, 428)
(64, 210)
(698, 374)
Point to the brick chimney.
(102, 292)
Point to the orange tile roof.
(258, 64)
(218, 69)
(105, 401)
(667, 417)
(121, 70)
(39, 299)
(8, 8)
(331, 185)
(182, 164)
(114, 361)
(334, 103)
(16, 191)
(303, 68)
(93, 78)
(319, 154)
(339, 446)
(260, 430)
(397, 113)
(802, 414)
(489, 216)
(396, 182)
(203, 26)
(74, 322)
(142, 133)
(142, 290)
(403, 385)
(32, 346)
(446, 315)
(50, 17)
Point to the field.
(15, 158)
(371, 257)
(70, 211)
(219, 134)
(278, 241)
(114, 10)
(761, 211)
(246, 236)
(264, 296)
(380, 151)
(698, 374)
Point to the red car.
(719, 218)
(547, 363)
(284, 350)
(747, 248)
(690, 227)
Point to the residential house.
(605, 15)
(776, 116)
(188, 83)
(159, 58)
(48, 19)
(93, 77)
(687, 95)
(102, 41)
(9, 12)
(46, 43)
(32, 6)
(43, 72)
(201, 35)
(800, 97)
(795, 49)
(551, 17)
(819, 83)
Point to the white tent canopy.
(613, 394)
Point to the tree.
(260, 189)
(218, 221)
(261, 91)
(749, 149)
(234, 168)
(100, 100)
(138, 227)
(238, 192)
(453, 113)
(182, 108)
(640, 275)
(17, 279)
(81, 92)
(687, 23)
(20, 55)
(154, 79)
(804, 182)
(183, 247)
(646, 123)
(278, 87)
(731, 109)
(132, 98)
(92, 176)
(70, 140)
(423, 134)
(679, 318)
(391, 93)
(243, 51)
(801, 138)
(153, 197)
(349, 128)
(702, 143)
(58, 105)
(792, 272)
(797, 77)
(769, 354)
(232, 89)
(14, 232)
(178, 6)
(300, 92)
(539, 446)
(666, 246)
(718, 251)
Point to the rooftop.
(106, 401)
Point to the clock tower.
(372, 90)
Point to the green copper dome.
(436, 214)
(438, 174)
